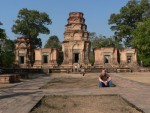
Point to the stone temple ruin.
(115, 58)
(26, 57)
(76, 51)
(76, 45)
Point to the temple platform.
(9, 78)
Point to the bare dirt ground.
(84, 104)
(72, 81)
(9, 85)
(88, 103)
(4, 85)
(136, 76)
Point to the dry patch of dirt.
(139, 77)
(80, 104)
(84, 104)
(5, 85)
(76, 81)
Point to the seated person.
(82, 70)
(75, 67)
(105, 79)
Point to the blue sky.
(96, 14)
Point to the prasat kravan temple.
(76, 51)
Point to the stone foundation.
(9, 78)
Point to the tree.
(2, 33)
(30, 24)
(92, 58)
(92, 36)
(2, 39)
(102, 41)
(53, 42)
(8, 56)
(127, 20)
(141, 41)
(7, 48)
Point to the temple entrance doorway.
(107, 59)
(129, 59)
(21, 59)
(45, 58)
(76, 57)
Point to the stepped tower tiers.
(76, 45)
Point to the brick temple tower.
(24, 52)
(76, 45)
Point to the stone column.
(70, 56)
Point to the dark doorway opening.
(76, 57)
(21, 59)
(118, 56)
(129, 59)
(45, 58)
(107, 59)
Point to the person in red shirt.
(105, 79)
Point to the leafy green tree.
(91, 59)
(30, 24)
(92, 36)
(8, 56)
(2, 39)
(53, 42)
(127, 20)
(97, 41)
(102, 41)
(141, 41)
(7, 48)
(2, 33)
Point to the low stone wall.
(58, 70)
(144, 70)
(123, 70)
(21, 70)
(9, 78)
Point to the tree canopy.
(127, 20)
(141, 41)
(8, 56)
(7, 48)
(2, 39)
(30, 24)
(2, 33)
(53, 42)
(102, 41)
